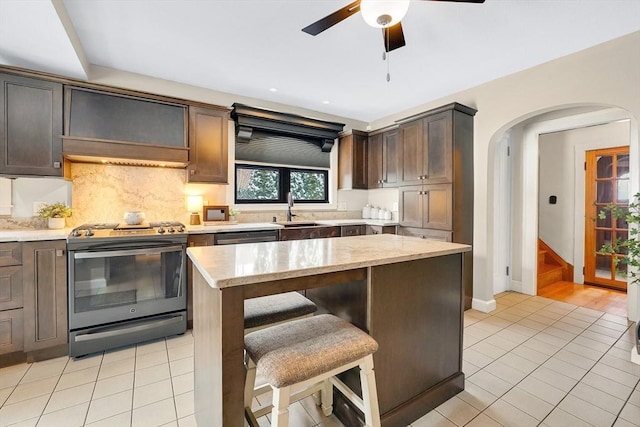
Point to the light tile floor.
(532, 361)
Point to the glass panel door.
(607, 183)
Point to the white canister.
(388, 215)
(382, 213)
(366, 212)
(374, 212)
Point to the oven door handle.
(128, 329)
(126, 252)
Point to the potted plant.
(233, 214)
(55, 214)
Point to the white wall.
(27, 191)
(605, 75)
(561, 166)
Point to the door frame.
(529, 185)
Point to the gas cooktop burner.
(115, 230)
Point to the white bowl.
(134, 217)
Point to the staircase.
(551, 267)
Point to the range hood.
(89, 150)
(106, 127)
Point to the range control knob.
(181, 229)
(75, 233)
(89, 233)
(161, 230)
(171, 230)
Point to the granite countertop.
(30, 234)
(235, 265)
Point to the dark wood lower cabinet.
(33, 302)
(311, 232)
(420, 367)
(44, 281)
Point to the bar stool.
(270, 310)
(274, 309)
(302, 357)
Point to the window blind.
(282, 150)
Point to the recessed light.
(273, 89)
(325, 102)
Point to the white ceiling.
(246, 47)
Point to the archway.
(513, 193)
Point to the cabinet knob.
(192, 171)
(60, 252)
(57, 165)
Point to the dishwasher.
(239, 237)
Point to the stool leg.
(250, 381)
(327, 397)
(280, 412)
(369, 393)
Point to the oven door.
(121, 284)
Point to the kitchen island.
(405, 292)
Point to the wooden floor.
(594, 297)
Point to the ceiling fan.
(385, 14)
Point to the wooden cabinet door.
(352, 161)
(375, 161)
(410, 153)
(208, 146)
(437, 137)
(10, 253)
(411, 206)
(11, 331)
(10, 287)
(45, 294)
(390, 169)
(31, 123)
(437, 206)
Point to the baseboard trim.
(516, 286)
(483, 306)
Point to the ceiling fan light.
(383, 13)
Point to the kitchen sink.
(295, 224)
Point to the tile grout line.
(551, 356)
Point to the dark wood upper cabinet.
(352, 161)
(208, 143)
(31, 123)
(374, 158)
(383, 159)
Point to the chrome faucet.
(289, 205)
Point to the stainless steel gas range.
(127, 283)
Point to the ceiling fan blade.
(331, 20)
(393, 37)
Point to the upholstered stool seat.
(302, 357)
(272, 309)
